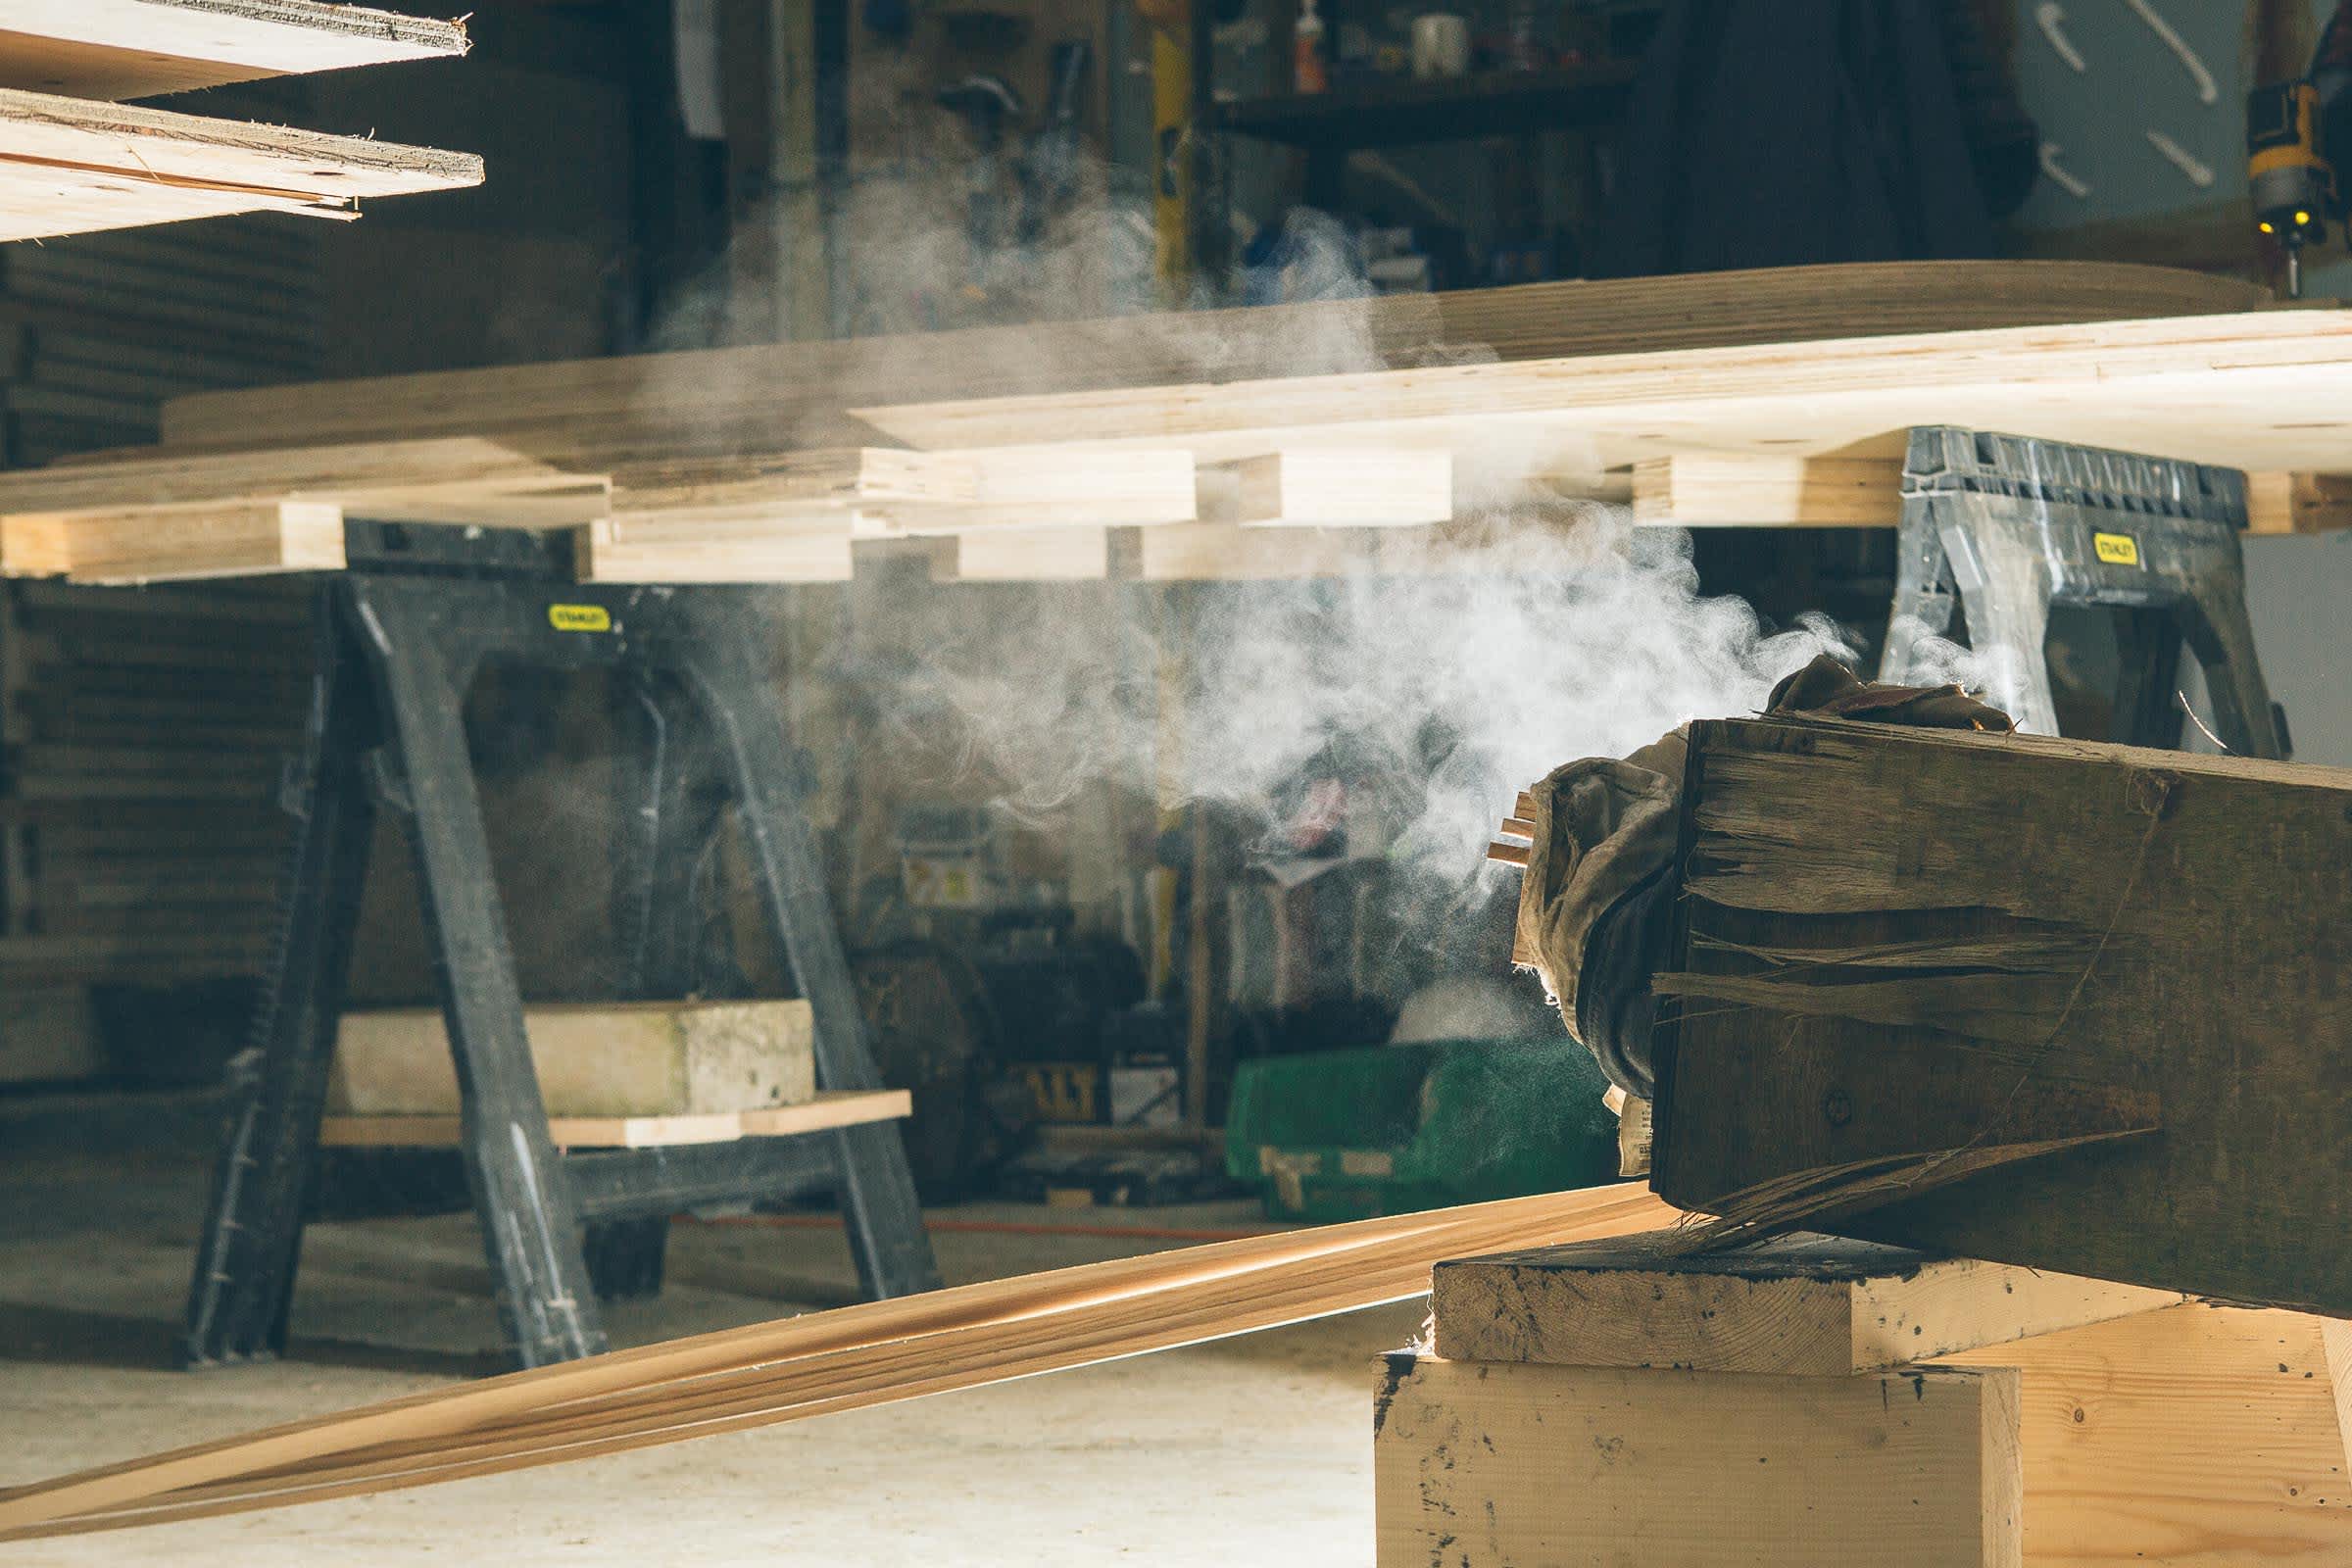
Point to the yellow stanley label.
(2116, 549)
(596, 618)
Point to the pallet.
(1815, 1400)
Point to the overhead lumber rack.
(1397, 435)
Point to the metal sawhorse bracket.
(401, 637)
(2011, 526)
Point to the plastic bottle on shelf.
(1308, 73)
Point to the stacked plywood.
(73, 158)
(1294, 441)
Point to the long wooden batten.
(827, 1361)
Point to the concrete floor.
(1252, 1450)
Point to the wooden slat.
(1702, 490)
(67, 167)
(1327, 487)
(832, 1108)
(140, 48)
(183, 544)
(820, 555)
(855, 1357)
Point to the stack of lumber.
(145, 736)
(823, 1362)
(1295, 441)
(75, 158)
(1816, 1402)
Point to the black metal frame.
(401, 637)
(2008, 526)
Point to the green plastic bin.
(1341, 1135)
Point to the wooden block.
(183, 544)
(643, 1058)
(2062, 1003)
(772, 555)
(1223, 551)
(1334, 487)
(1704, 489)
(789, 485)
(2201, 1437)
(2298, 503)
(1508, 1464)
(829, 1109)
(1812, 1305)
(140, 48)
(34, 547)
(1026, 489)
(1023, 555)
(67, 167)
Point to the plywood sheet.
(141, 48)
(67, 167)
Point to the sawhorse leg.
(533, 1240)
(878, 1203)
(252, 1236)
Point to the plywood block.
(67, 167)
(186, 544)
(34, 547)
(648, 1058)
(2202, 1437)
(2298, 503)
(140, 48)
(1224, 551)
(1704, 489)
(1801, 1304)
(818, 554)
(1023, 555)
(1506, 1464)
(457, 479)
(788, 486)
(1337, 487)
(829, 1109)
(1022, 489)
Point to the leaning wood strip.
(844, 1107)
(847, 1359)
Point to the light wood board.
(821, 1362)
(142, 48)
(844, 1107)
(67, 167)
(796, 395)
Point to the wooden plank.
(67, 167)
(2203, 1437)
(1493, 1465)
(733, 400)
(1811, 1305)
(2142, 1006)
(625, 1060)
(771, 556)
(1704, 490)
(2266, 390)
(1227, 552)
(2298, 503)
(181, 544)
(1023, 555)
(1325, 487)
(396, 482)
(142, 48)
(828, 1110)
(803, 1366)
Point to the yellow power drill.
(2291, 128)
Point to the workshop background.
(1131, 957)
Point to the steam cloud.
(1554, 630)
